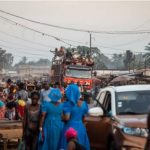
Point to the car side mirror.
(96, 111)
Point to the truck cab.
(79, 74)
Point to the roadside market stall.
(10, 134)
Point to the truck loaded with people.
(70, 66)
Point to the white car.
(119, 119)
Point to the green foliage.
(41, 62)
(6, 59)
(147, 55)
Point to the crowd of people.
(72, 57)
(52, 115)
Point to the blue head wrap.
(55, 95)
(73, 93)
(1, 104)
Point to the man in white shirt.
(45, 92)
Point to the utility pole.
(145, 64)
(90, 43)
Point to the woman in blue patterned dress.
(74, 111)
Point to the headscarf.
(1, 104)
(71, 133)
(73, 93)
(55, 95)
(21, 103)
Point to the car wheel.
(112, 145)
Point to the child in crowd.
(71, 136)
(20, 108)
(11, 106)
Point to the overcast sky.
(83, 15)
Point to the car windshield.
(133, 102)
(78, 73)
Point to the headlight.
(135, 131)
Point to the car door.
(98, 127)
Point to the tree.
(44, 62)
(24, 60)
(117, 61)
(147, 55)
(40, 62)
(6, 59)
(128, 60)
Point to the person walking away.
(11, 108)
(71, 136)
(74, 111)
(59, 86)
(22, 93)
(51, 122)
(31, 122)
(44, 93)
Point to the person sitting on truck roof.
(60, 55)
(89, 61)
(68, 57)
(61, 52)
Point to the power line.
(55, 37)
(127, 43)
(107, 47)
(131, 42)
(25, 40)
(41, 44)
(37, 31)
(79, 30)
(36, 49)
(13, 48)
(48, 34)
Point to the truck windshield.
(132, 102)
(78, 73)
